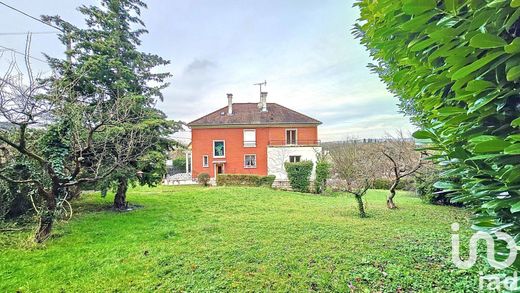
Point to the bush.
(322, 174)
(245, 180)
(179, 165)
(454, 66)
(299, 175)
(15, 201)
(426, 190)
(203, 179)
(382, 183)
(404, 184)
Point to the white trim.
(249, 167)
(213, 155)
(251, 145)
(205, 164)
(295, 138)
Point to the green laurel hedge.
(299, 175)
(455, 66)
(245, 180)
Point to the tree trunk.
(120, 197)
(47, 215)
(390, 199)
(361, 206)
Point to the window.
(249, 138)
(250, 161)
(290, 136)
(205, 161)
(219, 149)
(295, 159)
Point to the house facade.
(252, 138)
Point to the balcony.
(298, 143)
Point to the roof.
(249, 114)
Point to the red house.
(252, 138)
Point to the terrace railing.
(298, 143)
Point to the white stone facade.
(278, 155)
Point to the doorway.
(219, 169)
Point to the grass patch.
(234, 239)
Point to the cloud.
(198, 66)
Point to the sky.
(304, 49)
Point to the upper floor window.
(205, 161)
(219, 149)
(295, 159)
(249, 138)
(291, 136)
(250, 161)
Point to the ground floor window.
(205, 161)
(250, 161)
(295, 159)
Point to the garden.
(190, 238)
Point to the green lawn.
(233, 239)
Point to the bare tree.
(403, 160)
(71, 139)
(357, 164)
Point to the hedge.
(455, 67)
(299, 174)
(404, 184)
(245, 180)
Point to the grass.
(237, 239)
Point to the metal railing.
(298, 143)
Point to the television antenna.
(261, 84)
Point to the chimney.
(263, 101)
(230, 104)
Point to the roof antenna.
(261, 84)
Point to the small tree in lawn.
(402, 159)
(357, 164)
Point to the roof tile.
(249, 114)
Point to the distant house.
(252, 138)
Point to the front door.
(219, 169)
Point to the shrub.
(404, 184)
(299, 175)
(203, 179)
(382, 183)
(245, 180)
(179, 165)
(426, 190)
(15, 201)
(322, 174)
(454, 66)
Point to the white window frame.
(224, 143)
(295, 156)
(205, 161)
(248, 144)
(250, 167)
(295, 136)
